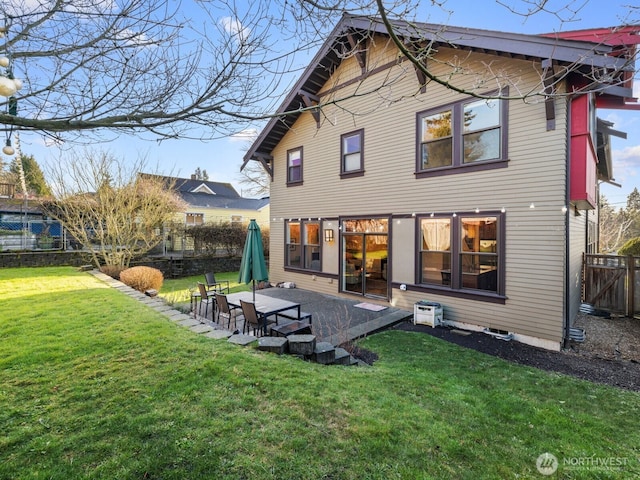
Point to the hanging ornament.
(8, 149)
(8, 86)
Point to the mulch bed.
(617, 373)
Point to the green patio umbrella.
(253, 266)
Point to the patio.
(336, 320)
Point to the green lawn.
(94, 384)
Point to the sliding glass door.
(365, 256)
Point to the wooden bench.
(292, 314)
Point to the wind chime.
(8, 87)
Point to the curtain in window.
(436, 234)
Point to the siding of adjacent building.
(535, 238)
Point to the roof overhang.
(346, 37)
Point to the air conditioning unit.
(427, 313)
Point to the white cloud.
(626, 163)
(234, 27)
(247, 135)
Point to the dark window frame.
(457, 161)
(356, 172)
(302, 246)
(456, 254)
(291, 182)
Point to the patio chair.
(214, 286)
(225, 310)
(206, 300)
(252, 319)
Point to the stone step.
(324, 353)
(242, 340)
(302, 344)
(277, 345)
(342, 357)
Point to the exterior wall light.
(328, 235)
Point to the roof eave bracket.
(360, 54)
(309, 100)
(265, 160)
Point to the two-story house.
(208, 201)
(472, 183)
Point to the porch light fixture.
(328, 235)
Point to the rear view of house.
(467, 177)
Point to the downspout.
(567, 249)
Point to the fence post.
(631, 285)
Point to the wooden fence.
(610, 282)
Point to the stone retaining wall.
(170, 267)
(43, 259)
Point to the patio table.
(265, 306)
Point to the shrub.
(632, 247)
(142, 278)
(112, 270)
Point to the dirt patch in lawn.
(610, 353)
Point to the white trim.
(202, 188)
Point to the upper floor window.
(460, 135)
(303, 245)
(462, 252)
(352, 152)
(294, 166)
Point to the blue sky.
(222, 158)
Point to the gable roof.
(206, 187)
(206, 194)
(204, 200)
(344, 40)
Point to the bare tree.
(199, 68)
(255, 179)
(106, 206)
(613, 225)
(161, 66)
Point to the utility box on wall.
(427, 313)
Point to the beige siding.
(535, 238)
(226, 214)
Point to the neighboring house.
(401, 189)
(208, 201)
(23, 226)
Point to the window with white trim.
(194, 219)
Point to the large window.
(461, 252)
(437, 143)
(303, 245)
(294, 166)
(466, 133)
(352, 152)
